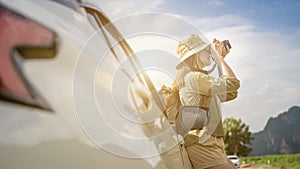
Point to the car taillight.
(22, 38)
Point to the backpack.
(171, 101)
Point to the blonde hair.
(190, 64)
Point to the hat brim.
(190, 53)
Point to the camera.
(226, 42)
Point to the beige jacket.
(207, 92)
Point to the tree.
(237, 137)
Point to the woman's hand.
(220, 49)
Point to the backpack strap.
(104, 23)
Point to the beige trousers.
(176, 158)
(208, 154)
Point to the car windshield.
(233, 158)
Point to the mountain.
(281, 135)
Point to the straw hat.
(189, 46)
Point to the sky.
(265, 36)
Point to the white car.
(52, 65)
(235, 160)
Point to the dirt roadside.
(255, 166)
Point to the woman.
(205, 146)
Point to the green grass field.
(291, 161)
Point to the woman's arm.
(226, 70)
(221, 51)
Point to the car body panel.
(235, 160)
(34, 138)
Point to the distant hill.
(281, 135)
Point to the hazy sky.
(265, 36)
